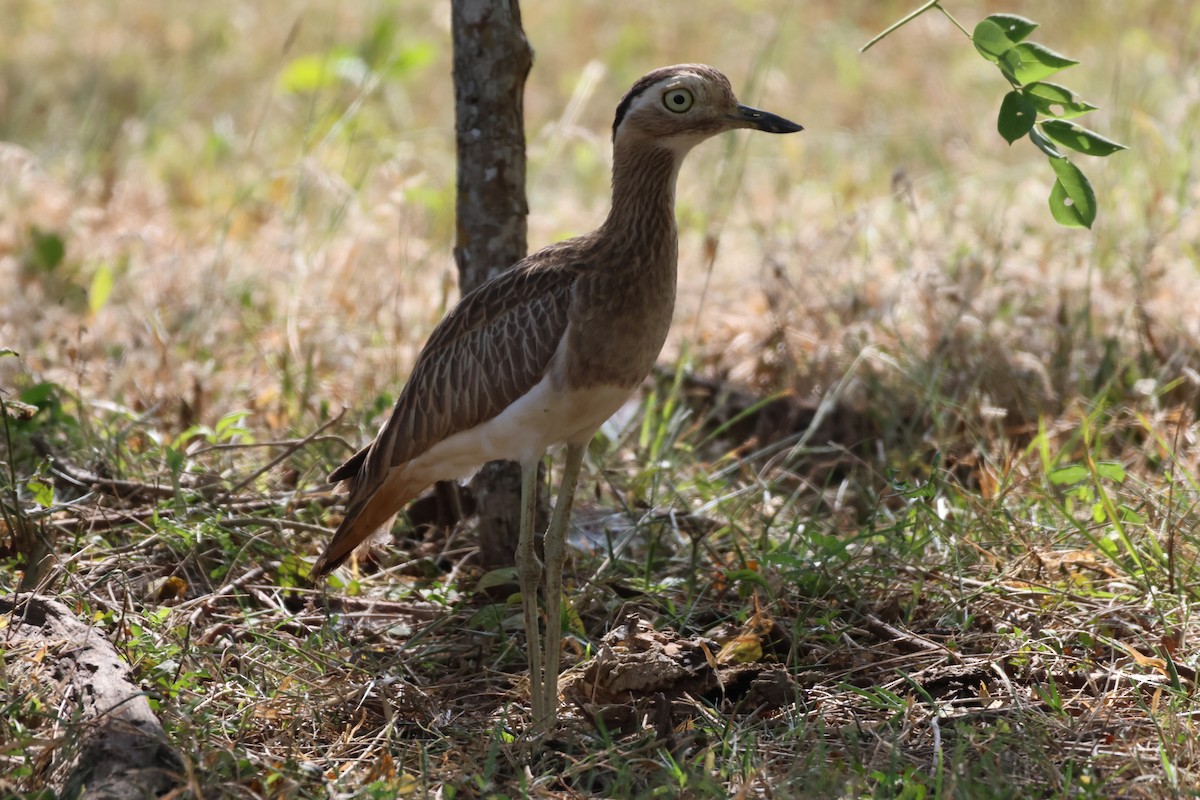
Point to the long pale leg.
(529, 575)
(556, 556)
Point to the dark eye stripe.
(643, 83)
(650, 79)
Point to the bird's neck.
(643, 196)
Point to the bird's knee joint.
(530, 571)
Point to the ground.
(908, 509)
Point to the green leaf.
(42, 493)
(8, 351)
(1053, 100)
(1009, 63)
(306, 74)
(990, 40)
(175, 459)
(313, 73)
(411, 58)
(42, 395)
(491, 617)
(1070, 474)
(1131, 515)
(230, 427)
(1015, 28)
(1072, 200)
(502, 576)
(377, 48)
(1111, 470)
(1039, 62)
(1017, 115)
(1044, 144)
(1077, 137)
(747, 575)
(101, 288)
(48, 249)
(1062, 207)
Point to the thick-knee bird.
(545, 352)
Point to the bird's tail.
(352, 466)
(368, 510)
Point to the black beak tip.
(766, 121)
(785, 126)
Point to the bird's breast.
(618, 326)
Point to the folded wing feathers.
(493, 347)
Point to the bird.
(547, 350)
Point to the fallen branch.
(109, 744)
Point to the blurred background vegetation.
(223, 222)
(183, 182)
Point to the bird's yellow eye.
(678, 100)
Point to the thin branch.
(277, 524)
(107, 518)
(86, 479)
(242, 484)
(310, 439)
(950, 17)
(878, 626)
(898, 25)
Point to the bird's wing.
(493, 347)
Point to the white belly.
(538, 420)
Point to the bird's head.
(683, 105)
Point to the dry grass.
(970, 598)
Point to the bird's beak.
(747, 117)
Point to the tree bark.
(491, 61)
(492, 58)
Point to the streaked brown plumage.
(545, 352)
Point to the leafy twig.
(1001, 39)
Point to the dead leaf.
(1144, 660)
(162, 590)
(747, 646)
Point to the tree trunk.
(491, 61)
(492, 58)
